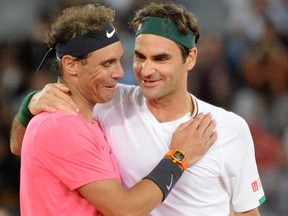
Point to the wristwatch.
(178, 157)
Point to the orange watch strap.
(183, 164)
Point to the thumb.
(62, 87)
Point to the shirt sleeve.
(240, 171)
(73, 151)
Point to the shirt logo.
(256, 185)
(171, 182)
(110, 34)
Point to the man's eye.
(139, 57)
(161, 58)
(108, 64)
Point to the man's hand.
(195, 137)
(53, 96)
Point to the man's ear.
(192, 58)
(69, 65)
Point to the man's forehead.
(154, 41)
(154, 44)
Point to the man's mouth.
(150, 83)
(112, 86)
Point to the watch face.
(179, 156)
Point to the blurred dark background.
(242, 67)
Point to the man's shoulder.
(221, 115)
(57, 120)
(58, 114)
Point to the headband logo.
(110, 34)
(139, 27)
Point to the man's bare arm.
(16, 136)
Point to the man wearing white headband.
(146, 116)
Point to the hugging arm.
(16, 136)
(51, 97)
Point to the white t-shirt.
(226, 175)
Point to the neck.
(85, 111)
(85, 107)
(171, 108)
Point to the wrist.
(24, 115)
(165, 175)
(178, 157)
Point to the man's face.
(158, 66)
(99, 76)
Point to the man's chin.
(150, 95)
(107, 99)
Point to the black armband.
(165, 175)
